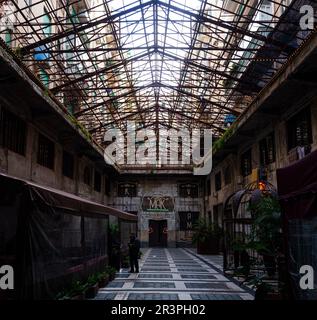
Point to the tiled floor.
(174, 274)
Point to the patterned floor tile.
(173, 274)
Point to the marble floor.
(174, 274)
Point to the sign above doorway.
(157, 203)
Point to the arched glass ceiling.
(162, 63)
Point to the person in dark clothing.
(134, 251)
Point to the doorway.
(157, 233)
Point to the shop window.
(299, 130)
(218, 181)
(267, 150)
(68, 165)
(188, 190)
(12, 132)
(45, 152)
(246, 163)
(87, 175)
(97, 181)
(127, 190)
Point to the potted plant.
(125, 261)
(103, 279)
(92, 287)
(242, 261)
(112, 272)
(207, 237)
(266, 234)
(114, 246)
(75, 292)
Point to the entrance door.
(158, 233)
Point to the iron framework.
(162, 63)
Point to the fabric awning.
(64, 200)
(297, 187)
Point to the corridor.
(174, 274)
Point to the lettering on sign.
(157, 203)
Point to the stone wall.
(161, 186)
(284, 158)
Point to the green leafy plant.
(266, 233)
(79, 126)
(92, 279)
(203, 231)
(113, 228)
(125, 261)
(219, 144)
(76, 288)
(111, 271)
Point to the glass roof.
(162, 63)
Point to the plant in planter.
(92, 286)
(266, 234)
(114, 246)
(125, 262)
(111, 271)
(207, 237)
(103, 279)
(242, 261)
(76, 291)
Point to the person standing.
(134, 251)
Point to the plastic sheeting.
(126, 229)
(51, 238)
(297, 187)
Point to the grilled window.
(12, 132)
(246, 163)
(68, 165)
(45, 152)
(267, 150)
(97, 181)
(218, 181)
(299, 130)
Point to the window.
(127, 190)
(12, 132)
(299, 131)
(45, 152)
(246, 163)
(208, 187)
(227, 175)
(8, 37)
(68, 165)
(87, 175)
(188, 190)
(97, 181)
(47, 30)
(267, 150)
(217, 214)
(44, 77)
(107, 186)
(218, 181)
(209, 217)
